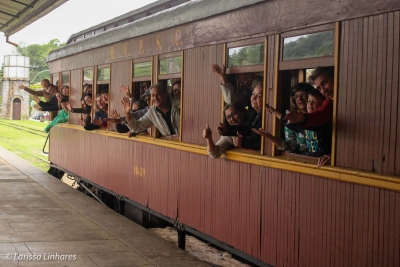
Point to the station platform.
(44, 222)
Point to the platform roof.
(17, 14)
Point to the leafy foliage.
(311, 45)
(246, 55)
(143, 69)
(37, 54)
(171, 65)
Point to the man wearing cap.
(164, 113)
(146, 97)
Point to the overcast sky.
(69, 18)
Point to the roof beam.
(16, 1)
(15, 16)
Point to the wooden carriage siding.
(280, 217)
(280, 212)
(368, 95)
(365, 144)
(75, 90)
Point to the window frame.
(167, 77)
(52, 79)
(245, 69)
(83, 75)
(69, 79)
(306, 63)
(143, 78)
(171, 75)
(303, 64)
(95, 85)
(100, 67)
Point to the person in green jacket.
(62, 116)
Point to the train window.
(245, 61)
(141, 98)
(103, 74)
(55, 78)
(88, 76)
(65, 79)
(297, 94)
(142, 69)
(102, 97)
(307, 48)
(141, 82)
(246, 55)
(308, 45)
(171, 65)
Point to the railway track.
(25, 129)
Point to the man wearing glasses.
(176, 90)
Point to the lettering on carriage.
(139, 171)
(126, 49)
(178, 37)
(112, 56)
(141, 51)
(158, 43)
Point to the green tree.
(311, 45)
(37, 54)
(247, 55)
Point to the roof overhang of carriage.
(17, 14)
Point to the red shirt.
(323, 114)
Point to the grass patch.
(20, 142)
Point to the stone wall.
(10, 91)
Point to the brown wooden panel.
(381, 89)
(341, 107)
(75, 94)
(391, 94)
(121, 74)
(201, 93)
(269, 22)
(368, 94)
(396, 246)
(359, 96)
(269, 89)
(396, 84)
(280, 217)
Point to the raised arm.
(126, 91)
(30, 91)
(207, 134)
(277, 141)
(127, 106)
(323, 115)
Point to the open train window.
(169, 74)
(245, 68)
(308, 48)
(141, 82)
(245, 76)
(142, 76)
(300, 95)
(54, 79)
(303, 53)
(102, 97)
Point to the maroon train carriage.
(271, 208)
